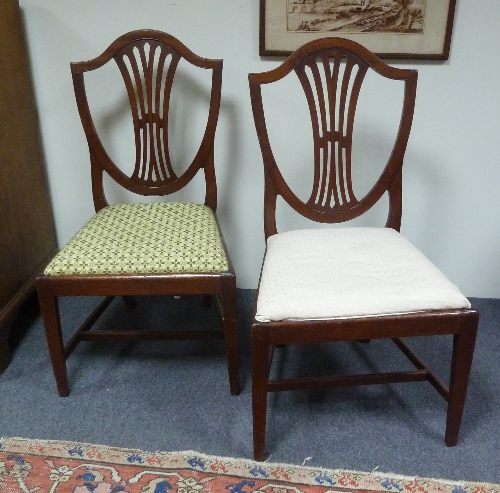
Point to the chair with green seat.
(136, 249)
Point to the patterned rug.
(30, 466)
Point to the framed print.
(390, 28)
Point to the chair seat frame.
(221, 286)
(462, 324)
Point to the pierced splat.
(148, 61)
(331, 82)
(148, 69)
(331, 72)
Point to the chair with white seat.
(347, 283)
(155, 248)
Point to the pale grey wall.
(452, 175)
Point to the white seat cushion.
(349, 272)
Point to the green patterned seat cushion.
(156, 238)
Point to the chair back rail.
(331, 72)
(147, 61)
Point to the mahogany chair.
(347, 283)
(161, 248)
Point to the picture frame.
(404, 29)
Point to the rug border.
(471, 485)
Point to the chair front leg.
(229, 304)
(49, 307)
(463, 351)
(261, 360)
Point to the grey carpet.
(174, 396)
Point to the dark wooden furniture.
(331, 72)
(148, 61)
(27, 237)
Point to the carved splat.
(148, 61)
(148, 68)
(331, 83)
(331, 72)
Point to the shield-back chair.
(339, 283)
(135, 249)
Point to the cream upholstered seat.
(349, 272)
(155, 238)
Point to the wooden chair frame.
(144, 181)
(343, 206)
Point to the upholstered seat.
(154, 238)
(349, 272)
